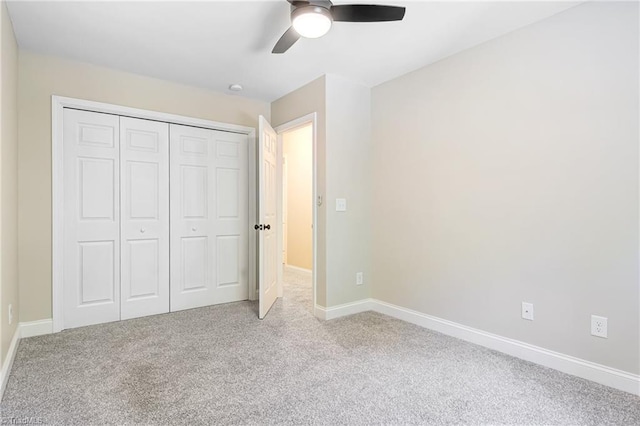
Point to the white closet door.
(231, 217)
(144, 177)
(209, 217)
(91, 267)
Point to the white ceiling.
(216, 43)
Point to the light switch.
(341, 205)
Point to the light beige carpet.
(221, 365)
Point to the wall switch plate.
(10, 313)
(527, 311)
(341, 204)
(599, 326)
(359, 278)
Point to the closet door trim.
(58, 104)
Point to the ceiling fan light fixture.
(311, 21)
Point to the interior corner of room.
(457, 196)
(9, 287)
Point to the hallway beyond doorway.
(298, 287)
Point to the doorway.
(296, 237)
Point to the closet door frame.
(58, 104)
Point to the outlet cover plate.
(359, 278)
(599, 326)
(527, 311)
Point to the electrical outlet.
(527, 311)
(10, 313)
(359, 278)
(599, 326)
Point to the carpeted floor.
(221, 365)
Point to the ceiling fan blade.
(366, 13)
(286, 41)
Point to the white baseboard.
(598, 373)
(24, 329)
(297, 268)
(608, 376)
(36, 328)
(8, 363)
(343, 310)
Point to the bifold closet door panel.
(209, 217)
(91, 268)
(144, 195)
(232, 216)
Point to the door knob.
(194, 229)
(257, 227)
(142, 230)
(267, 227)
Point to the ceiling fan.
(313, 18)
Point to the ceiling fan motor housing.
(311, 20)
(301, 10)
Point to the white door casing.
(144, 216)
(285, 230)
(209, 217)
(91, 268)
(267, 217)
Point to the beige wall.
(41, 77)
(297, 146)
(348, 175)
(306, 100)
(509, 173)
(8, 181)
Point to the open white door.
(267, 221)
